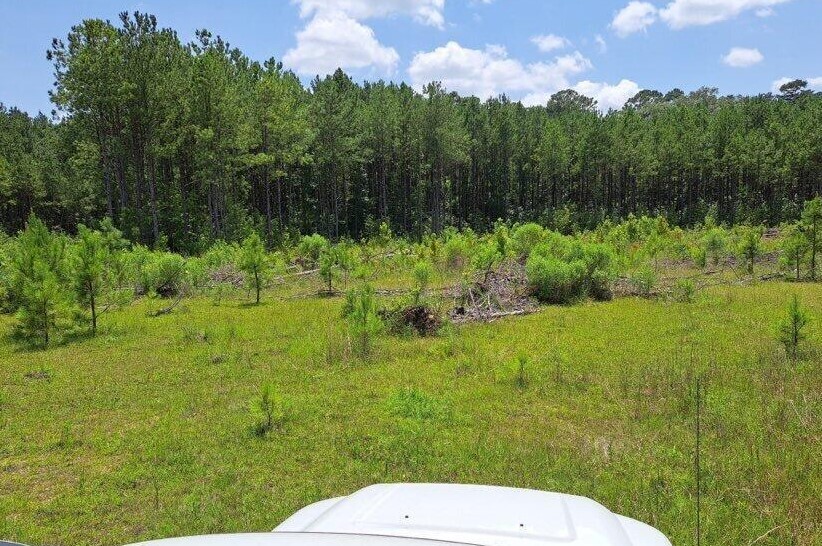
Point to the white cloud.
(813, 83)
(741, 57)
(764, 12)
(332, 40)
(634, 17)
(600, 41)
(428, 12)
(550, 42)
(608, 96)
(489, 72)
(682, 13)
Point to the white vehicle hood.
(473, 514)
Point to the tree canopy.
(184, 144)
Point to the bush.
(456, 250)
(714, 242)
(684, 291)
(644, 279)
(269, 410)
(163, 273)
(555, 281)
(310, 248)
(526, 237)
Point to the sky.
(526, 49)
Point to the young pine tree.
(37, 280)
(749, 246)
(90, 258)
(794, 248)
(253, 263)
(812, 228)
(791, 328)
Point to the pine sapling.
(791, 327)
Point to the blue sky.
(527, 49)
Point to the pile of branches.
(422, 319)
(499, 292)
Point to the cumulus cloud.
(428, 12)
(550, 42)
(601, 43)
(813, 83)
(682, 13)
(634, 17)
(741, 57)
(332, 40)
(489, 72)
(608, 96)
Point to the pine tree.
(253, 263)
(90, 259)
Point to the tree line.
(182, 144)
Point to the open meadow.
(148, 429)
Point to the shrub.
(555, 281)
(644, 279)
(310, 248)
(791, 328)
(526, 237)
(163, 274)
(713, 243)
(269, 410)
(599, 263)
(485, 258)
(456, 250)
(684, 291)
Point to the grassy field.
(145, 431)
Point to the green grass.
(145, 431)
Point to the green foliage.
(311, 248)
(714, 243)
(516, 372)
(812, 228)
(684, 291)
(422, 272)
(485, 258)
(795, 247)
(563, 271)
(412, 403)
(525, 237)
(38, 271)
(160, 273)
(749, 245)
(457, 249)
(555, 281)
(270, 411)
(254, 263)
(644, 279)
(91, 255)
(791, 329)
(364, 322)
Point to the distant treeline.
(184, 144)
